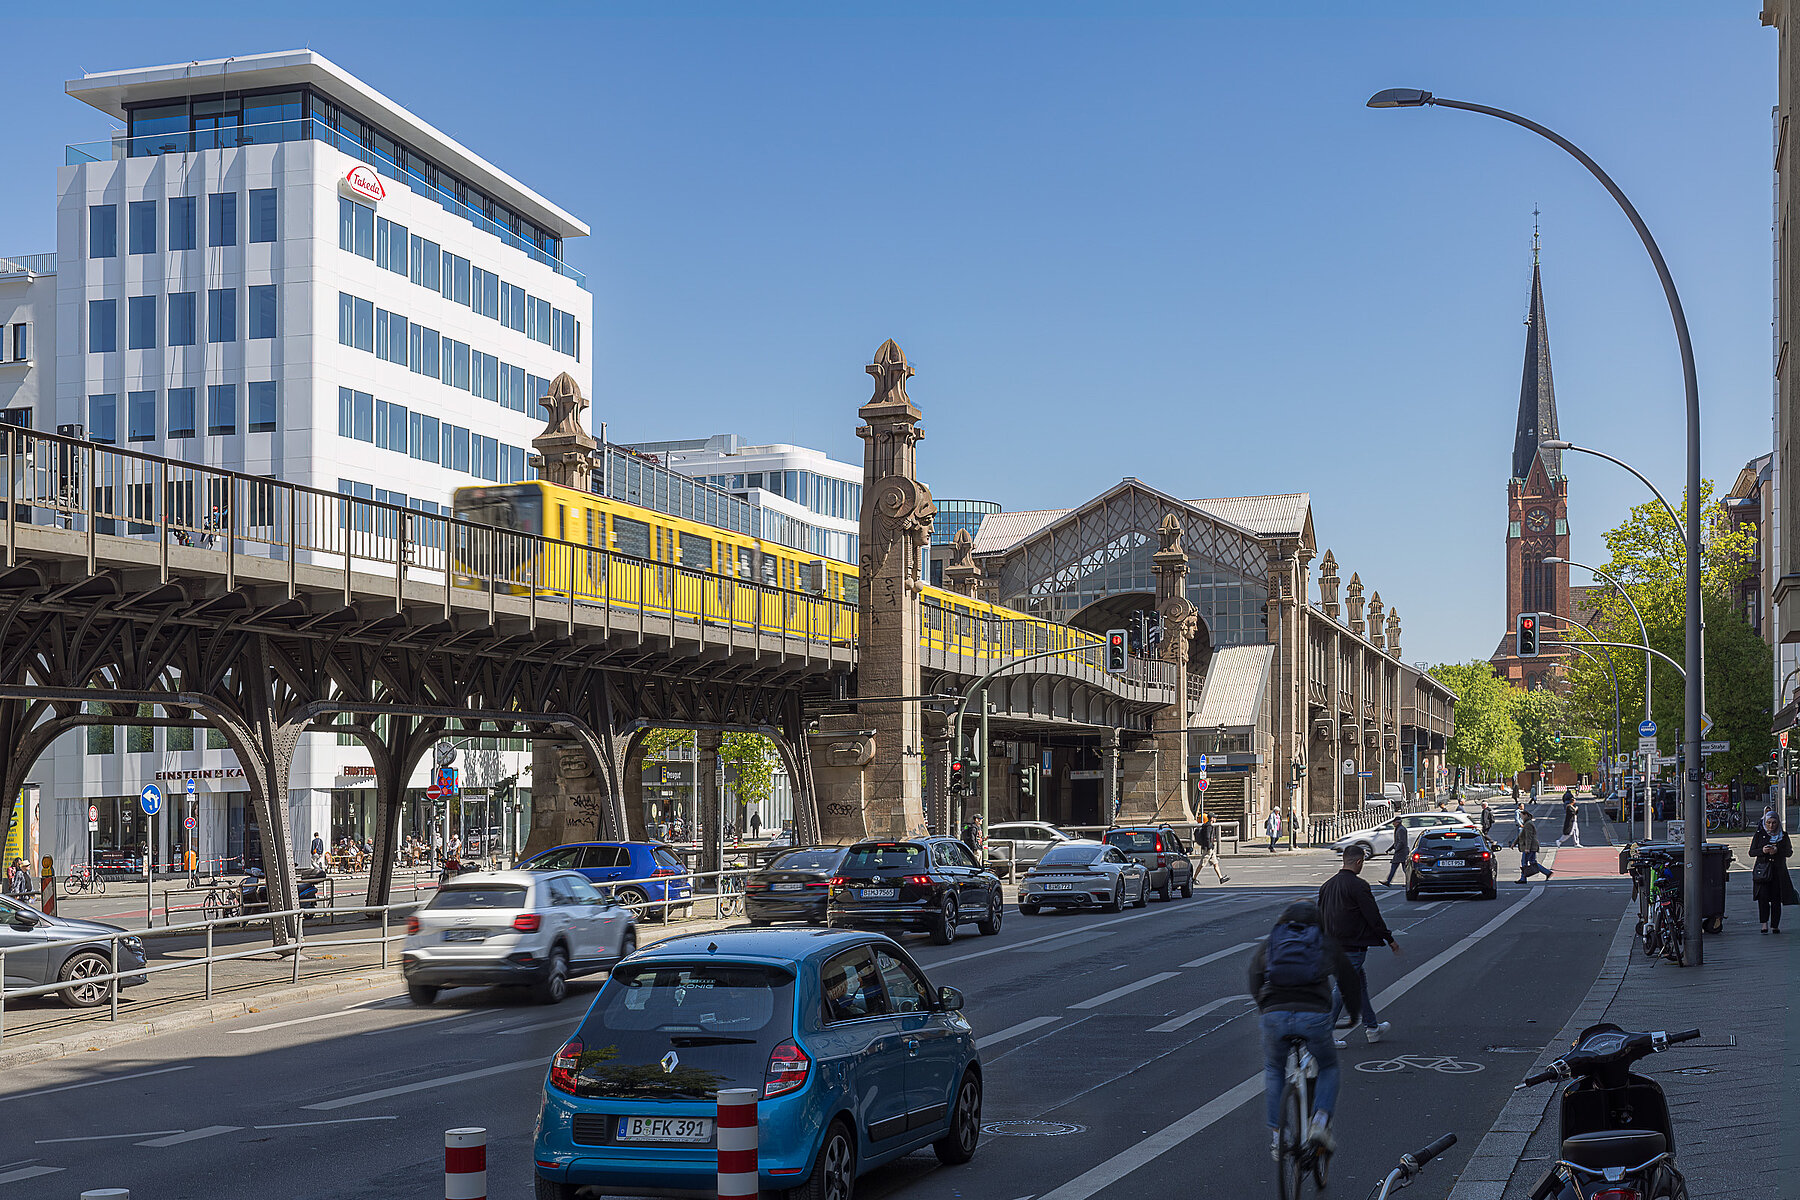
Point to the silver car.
(30, 963)
(1082, 874)
(1380, 838)
(1014, 845)
(535, 929)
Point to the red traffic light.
(1527, 623)
(1118, 639)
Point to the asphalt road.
(1128, 1036)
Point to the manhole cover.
(1031, 1128)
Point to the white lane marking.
(193, 1135)
(1216, 955)
(330, 1016)
(426, 1084)
(1167, 908)
(27, 1173)
(1065, 939)
(69, 1087)
(541, 1025)
(407, 1028)
(1425, 908)
(105, 1137)
(1013, 1031)
(1188, 1018)
(1113, 1169)
(337, 1121)
(1108, 997)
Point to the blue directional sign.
(1646, 728)
(150, 799)
(190, 789)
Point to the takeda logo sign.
(363, 181)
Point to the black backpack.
(1295, 956)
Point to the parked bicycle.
(82, 877)
(224, 899)
(1410, 1165)
(1663, 933)
(1298, 1156)
(731, 892)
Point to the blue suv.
(655, 875)
(857, 1060)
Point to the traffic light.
(1115, 651)
(1528, 635)
(959, 776)
(1028, 783)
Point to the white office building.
(270, 266)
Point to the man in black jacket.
(1302, 1009)
(1353, 920)
(1401, 849)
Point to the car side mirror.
(949, 999)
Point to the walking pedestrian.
(1569, 830)
(1353, 920)
(1526, 840)
(318, 852)
(1206, 837)
(755, 824)
(1770, 882)
(1291, 974)
(18, 879)
(1272, 827)
(1401, 846)
(1487, 819)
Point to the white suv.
(1380, 838)
(524, 928)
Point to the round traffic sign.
(189, 822)
(1200, 783)
(434, 792)
(1646, 728)
(150, 799)
(93, 812)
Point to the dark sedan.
(792, 886)
(928, 885)
(1161, 851)
(1452, 860)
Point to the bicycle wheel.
(96, 883)
(1290, 1172)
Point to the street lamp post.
(1695, 808)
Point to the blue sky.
(1174, 246)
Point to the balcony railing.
(310, 129)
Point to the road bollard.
(465, 1164)
(736, 1133)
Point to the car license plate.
(788, 887)
(465, 935)
(877, 893)
(665, 1129)
(1058, 887)
(1451, 862)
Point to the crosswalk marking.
(1188, 1018)
(1216, 955)
(192, 1135)
(1013, 1031)
(24, 1173)
(1109, 997)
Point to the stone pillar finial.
(1353, 593)
(566, 450)
(1393, 632)
(1328, 585)
(1376, 615)
(961, 574)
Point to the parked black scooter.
(1617, 1140)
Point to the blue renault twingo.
(857, 1058)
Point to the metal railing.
(991, 638)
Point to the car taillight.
(412, 924)
(1615, 1194)
(838, 881)
(1159, 843)
(562, 1067)
(821, 882)
(661, 871)
(919, 880)
(1485, 854)
(788, 1068)
(1418, 858)
(527, 922)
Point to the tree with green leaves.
(1486, 738)
(1541, 717)
(750, 757)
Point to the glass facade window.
(103, 231)
(953, 515)
(21, 342)
(456, 278)
(103, 326)
(221, 219)
(512, 307)
(391, 246)
(221, 409)
(262, 407)
(263, 218)
(181, 319)
(263, 314)
(103, 418)
(140, 416)
(140, 323)
(424, 438)
(182, 232)
(140, 227)
(181, 412)
(425, 262)
(356, 228)
(221, 315)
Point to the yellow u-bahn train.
(604, 551)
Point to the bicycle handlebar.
(1544, 1076)
(1421, 1157)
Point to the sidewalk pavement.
(1731, 1094)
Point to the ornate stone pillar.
(961, 575)
(570, 795)
(1166, 787)
(565, 448)
(1354, 593)
(708, 809)
(896, 526)
(1328, 585)
(633, 791)
(841, 749)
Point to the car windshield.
(1067, 855)
(1132, 840)
(666, 858)
(479, 895)
(888, 856)
(1453, 839)
(682, 1031)
(813, 859)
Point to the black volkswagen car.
(1452, 859)
(792, 886)
(928, 885)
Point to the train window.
(771, 570)
(631, 537)
(696, 552)
(746, 563)
(596, 521)
(853, 589)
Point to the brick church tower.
(1537, 508)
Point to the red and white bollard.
(736, 1132)
(465, 1164)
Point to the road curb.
(1490, 1169)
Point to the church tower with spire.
(1537, 503)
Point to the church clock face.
(1537, 520)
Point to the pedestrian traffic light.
(1115, 651)
(1028, 783)
(1528, 635)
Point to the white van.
(1393, 793)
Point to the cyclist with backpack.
(1290, 976)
